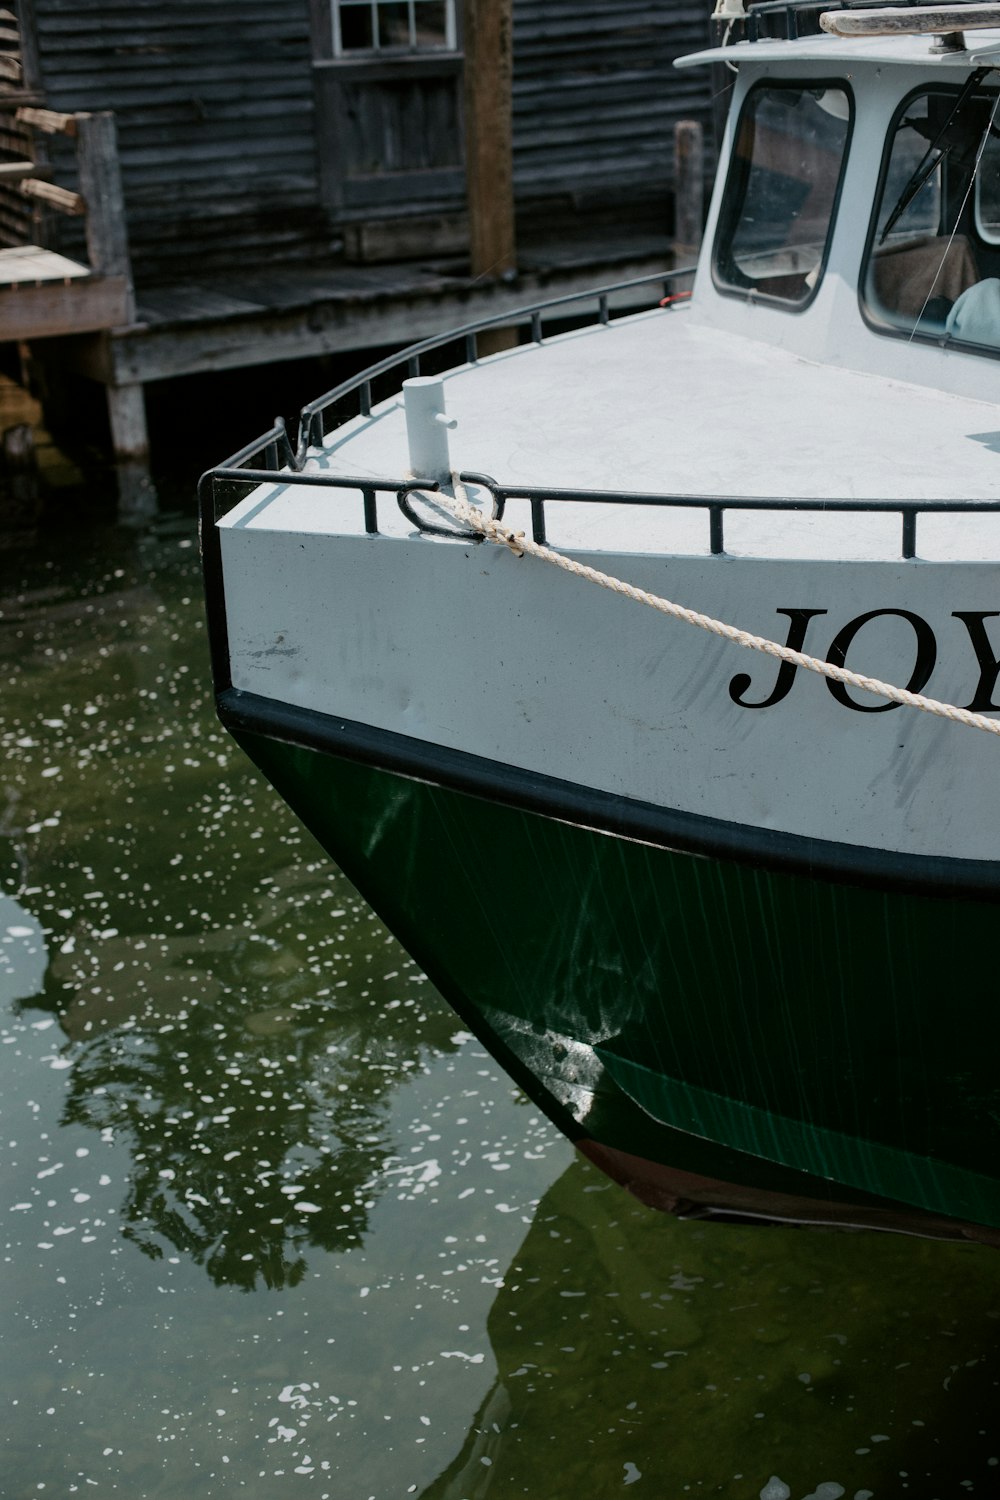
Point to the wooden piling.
(689, 189)
(487, 40)
(20, 465)
(20, 495)
(488, 45)
(108, 253)
(101, 189)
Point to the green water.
(273, 1225)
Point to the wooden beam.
(101, 186)
(48, 120)
(18, 98)
(487, 41)
(31, 68)
(406, 237)
(49, 308)
(56, 197)
(148, 352)
(16, 171)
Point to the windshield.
(781, 191)
(933, 267)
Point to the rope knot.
(511, 539)
(505, 537)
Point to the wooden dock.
(44, 294)
(213, 324)
(207, 325)
(253, 236)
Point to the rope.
(463, 510)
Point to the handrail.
(311, 432)
(283, 462)
(539, 496)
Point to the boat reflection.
(712, 1357)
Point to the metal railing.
(272, 458)
(578, 308)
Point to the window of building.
(781, 192)
(378, 28)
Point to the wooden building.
(293, 170)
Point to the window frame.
(734, 192)
(869, 314)
(981, 230)
(379, 54)
(986, 235)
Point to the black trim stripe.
(606, 812)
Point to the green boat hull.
(711, 1031)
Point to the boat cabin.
(861, 196)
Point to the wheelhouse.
(856, 217)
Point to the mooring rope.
(493, 531)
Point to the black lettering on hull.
(923, 666)
(798, 621)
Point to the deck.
(44, 294)
(300, 311)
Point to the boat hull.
(716, 1031)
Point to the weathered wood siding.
(217, 122)
(596, 95)
(18, 216)
(214, 104)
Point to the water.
(275, 1226)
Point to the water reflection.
(255, 1119)
(23, 955)
(221, 1076)
(245, 1150)
(231, 1009)
(711, 1358)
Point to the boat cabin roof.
(983, 50)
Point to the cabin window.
(988, 192)
(781, 192)
(933, 266)
(392, 27)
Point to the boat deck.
(538, 415)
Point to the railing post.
(538, 523)
(716, 541)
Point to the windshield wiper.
(929, 161)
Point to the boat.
(699, 828)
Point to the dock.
(85, 317)
(175, 207)
(212, 324)
(44, 294)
